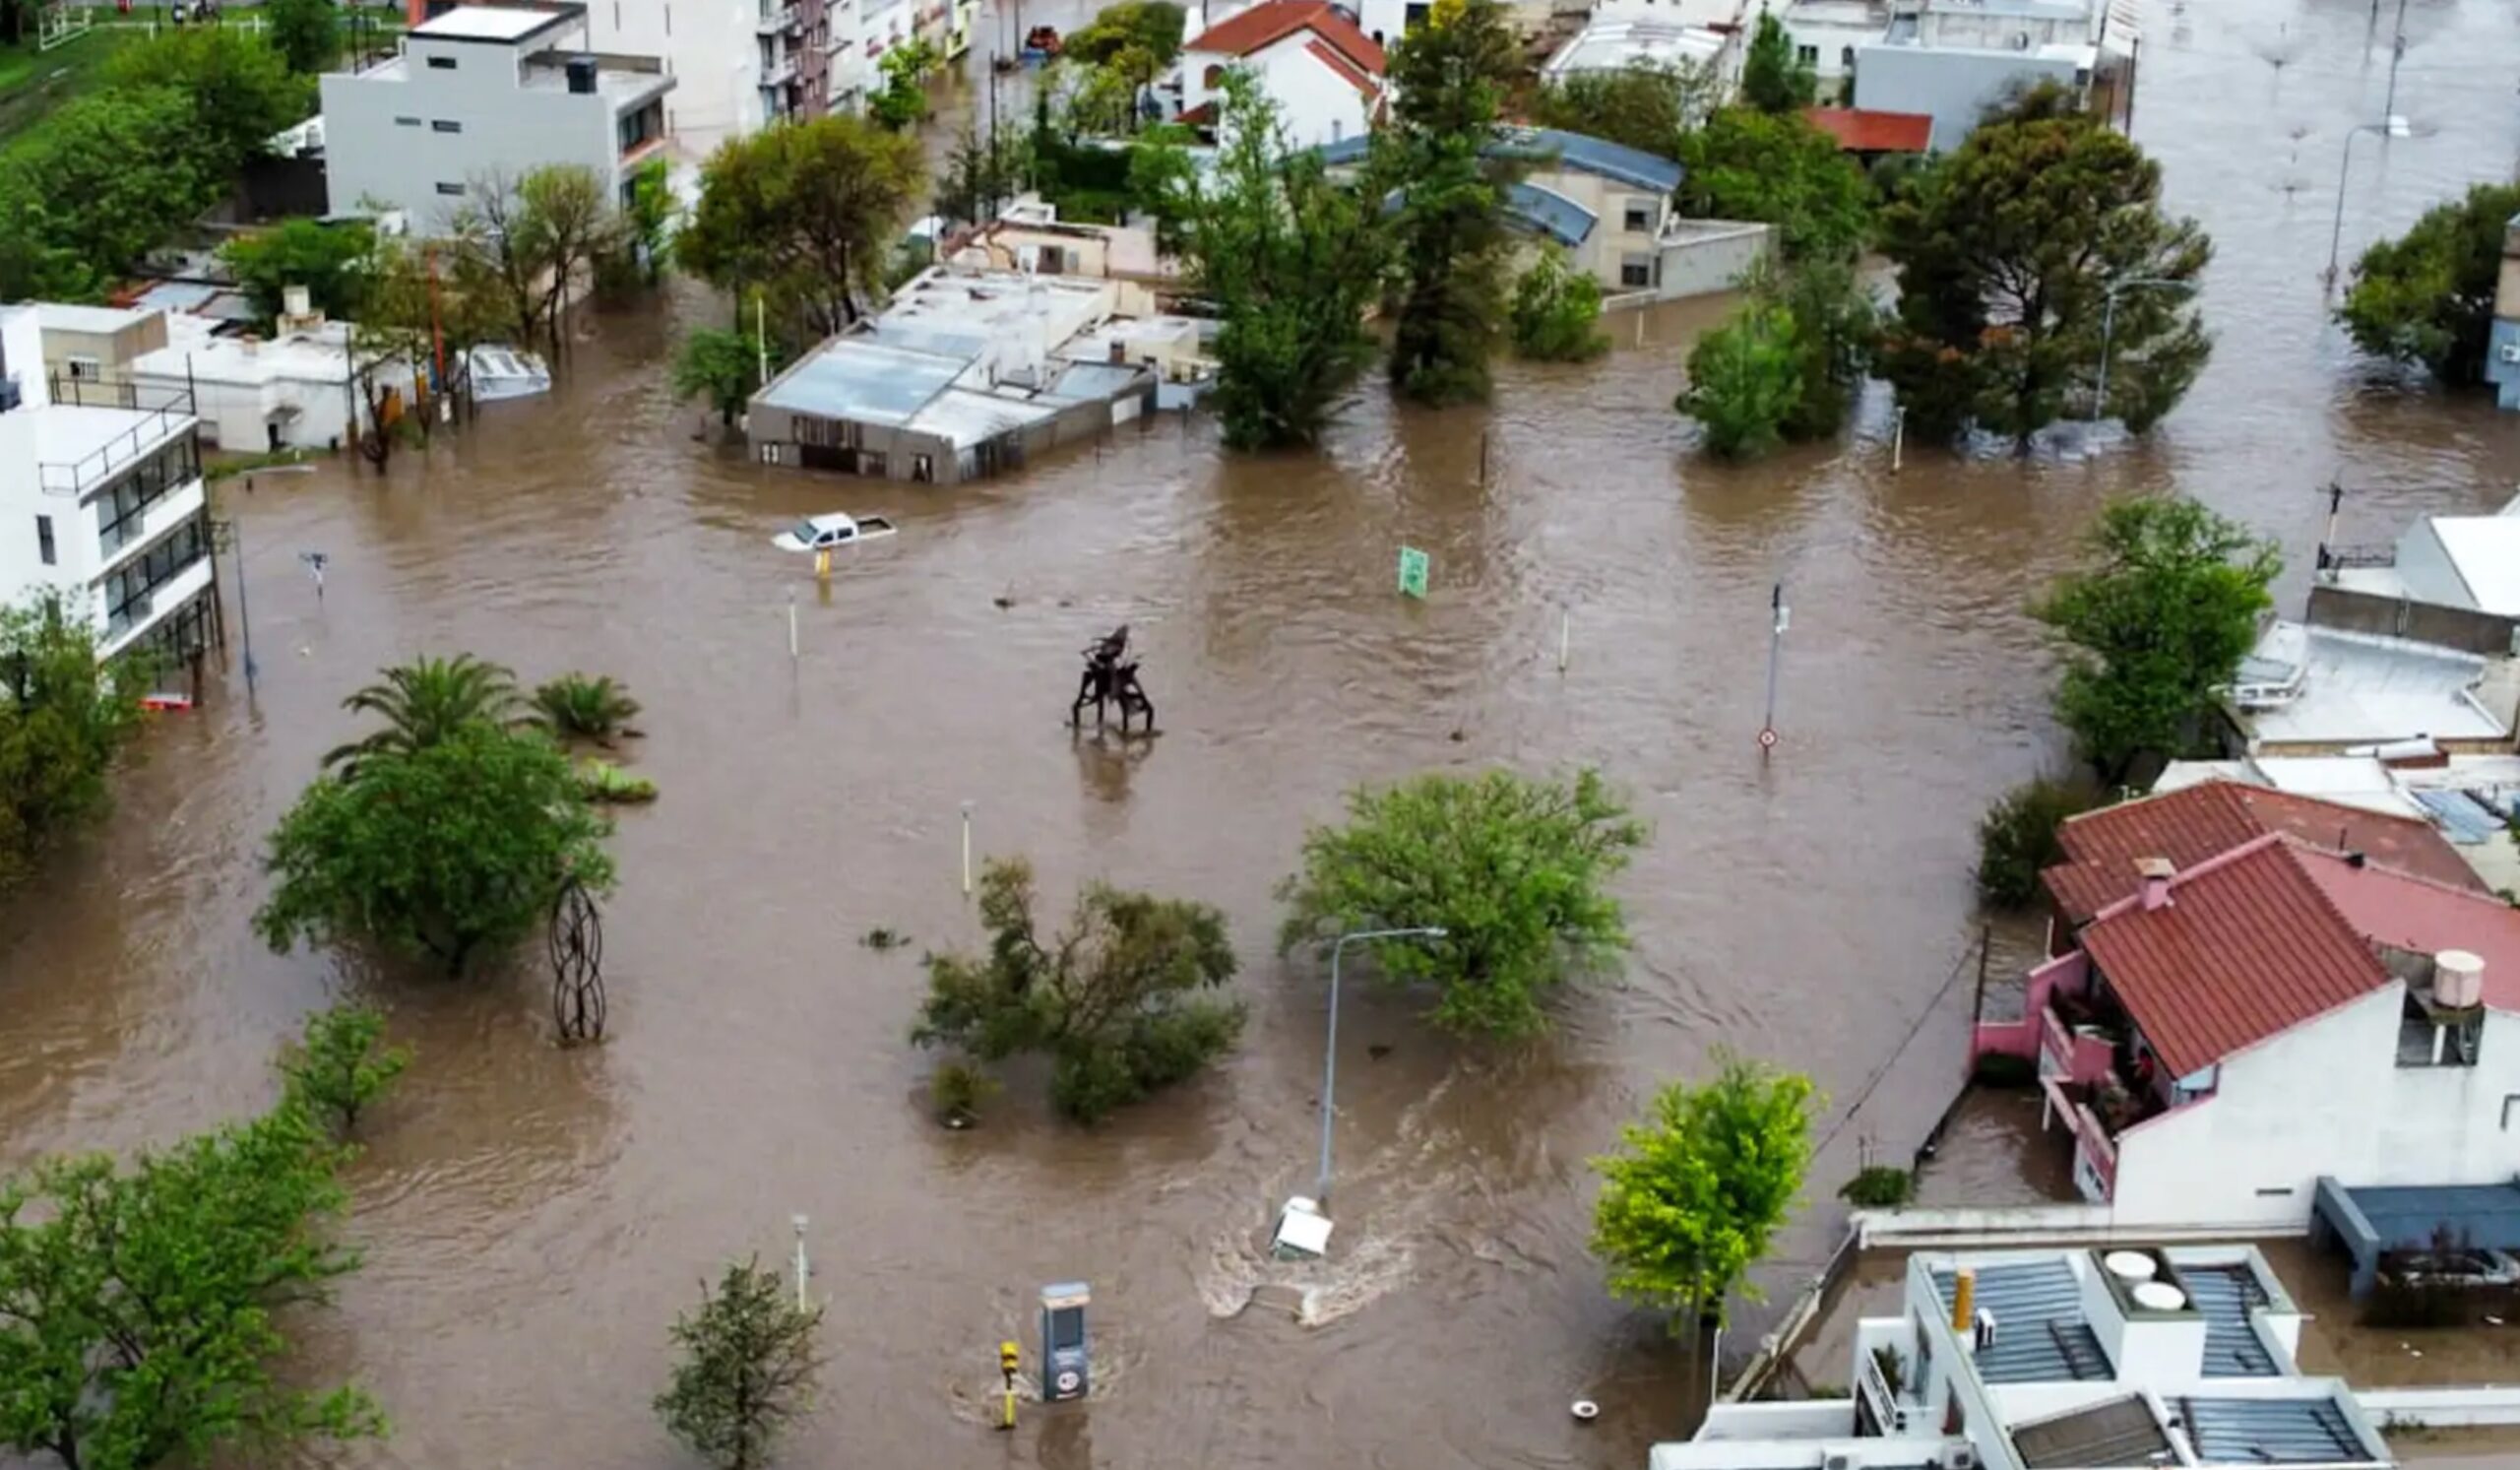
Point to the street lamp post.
(1330, 1049)
(2393, 127)
(2109, 326)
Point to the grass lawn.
(33, 83)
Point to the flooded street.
(534, 1218)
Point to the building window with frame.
(441, 63)
(1807, 55)
(85, 370)
(1636, 270)
(1640, 216)
(445, 125)
(450, 191)
(44, 542)
(407, 122)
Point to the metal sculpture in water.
(576, 965)
(1112, 677)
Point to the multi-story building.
(482, 93)
(2063, 1360)
(101, 501)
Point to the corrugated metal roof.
(2461, 816)
(1862, 130)
(2121, 1432)
(2226, 1295)
(2247, 948)
(854, 377)
(1552, 214)
(2271, 1432)
(2197, 822)
(1596, 155)
(2040, 1336)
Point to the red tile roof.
(2247, 948)
(2415, 913)
(1860, 131)
(2196, 822)
(1203, 116)
(1357, 76)
(1275, 20)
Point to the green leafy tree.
(142, 1303)
(1699, 1188)
(806, 214)
(1514, 870)
(900, 103)
(982, 174)
(2017, 840)
(452, 851)
(1118, 999)
(748, 1360)
(1835, 325)
(429, 700)
(648, 220)
(307, 33)
(2007, 252)
(1151, 26)
(1292, 262)
(1161, 177)
(62, 723)
(1642, 106)
(536, 235)
(1450, 77)
(2154, 627)
(585, 707)
(340, 1065)
(108, 181)
(720, 366)
(238, 90)
(2427, 298)
(1557, 311)
(1781, 170)
(1745, 381)
(1773, 79)
(329, 260)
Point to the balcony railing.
(169, 412)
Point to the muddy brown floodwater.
(536, 1217)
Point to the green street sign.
(1412, 573)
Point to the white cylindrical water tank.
(2458, 978)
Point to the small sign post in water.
(316, 562)
(1413, 573)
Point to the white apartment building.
(102, 501)
(1325, 75)
(481, 92)
(2063, 1360)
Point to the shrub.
(582, 707)
(1879, 1186)
(2017, 840)
(339, 1069)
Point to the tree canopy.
(329, 260)
(340, 1065)
(140, 1322)
(1515, 871)
(1779, 169)
(535, 233)
(1744, 381)
(1773, 79)
(2017, 840)
(2008, 252)
(1698, 1189)
(2427, 298)
(1642, 106)
(2154, 625)
(61, 724)
(1557, 311)
(719, 366)
(427, 700)
(306, 32)
(748, 1359)
(805, 214)
(448, 851)
(1153, 26)
(1290, 262)
(1119, 1000)
(1449, 77)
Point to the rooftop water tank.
(2159, 1295)
(2129, 1265)
(2458, 978)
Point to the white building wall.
(1317, 104)
(1832, 31)
(2326, 1097)
(710, 49)
(2425, 568)
(1955, 88)
(383, 141)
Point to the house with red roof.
(2246, 996)
(1326, 74)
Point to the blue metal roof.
(2040, 1336)
(2226, 1295)
(1551, 213)
(1584, 154)
(854, 377)
(2468, 821)
(2271, 1432)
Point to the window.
(85, 370)
(1214, 78)
(44, 542)
(1807, 55)
(922, 468)
(452, 191)
(445, 125)
(1846, 57)
(122, 511)
(129, 590)
(407, 122)
(874, 463)
(441, 63)
(1635, 268)
(1640, 216)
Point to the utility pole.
(2397, 53)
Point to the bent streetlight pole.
(1330, 1049)
(2336, 229)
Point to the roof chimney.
(2157, 873)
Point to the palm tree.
(425, 701)
(582, 707)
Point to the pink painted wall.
(2024, 1038)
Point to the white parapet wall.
(1965, 1227)
(2442, 1408)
